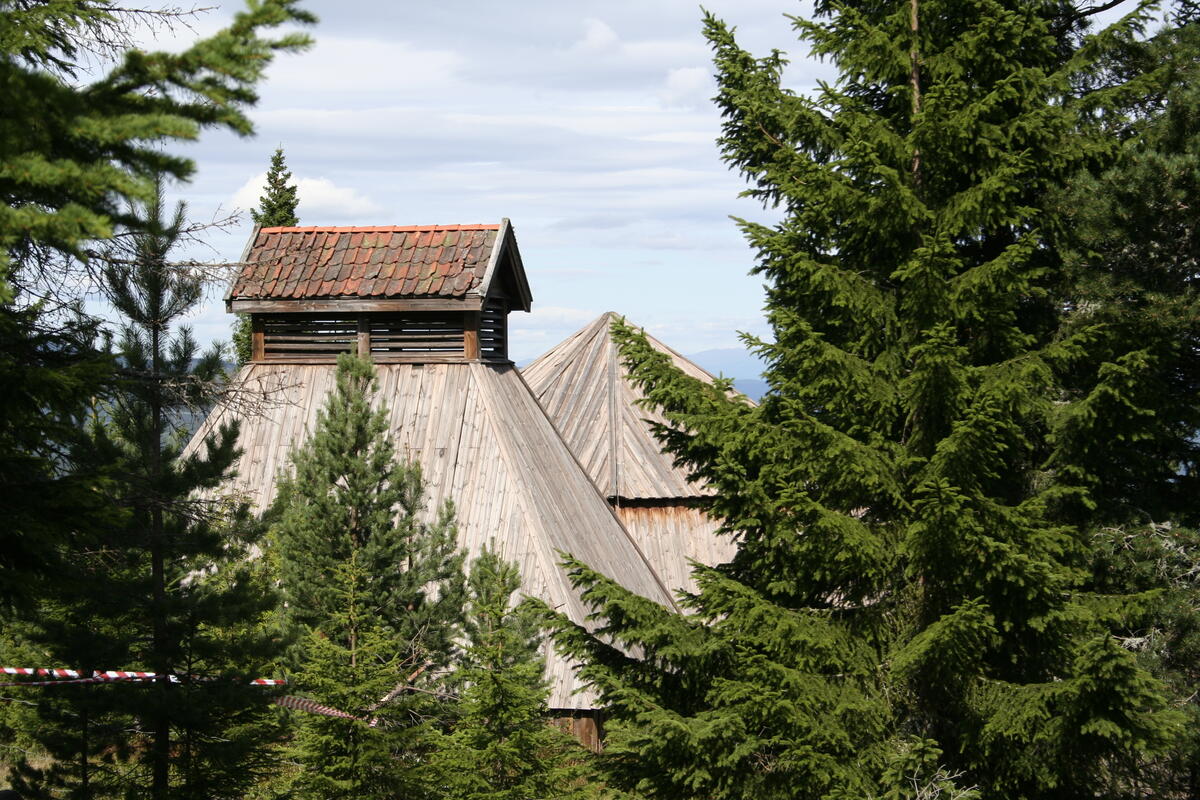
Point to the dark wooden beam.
(258, 348)
(471, 335)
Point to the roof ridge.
(457, 226)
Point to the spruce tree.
(52, 477)
(1135, 248)
(1131, 261)
(79, 152)
(170, 590)
(277, 205)
(503, 746)
(908, 608)
(276, 208)
(74, 153)
(377, 590)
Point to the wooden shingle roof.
(433, 262)
(482, 441)
(587, 392)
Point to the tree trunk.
(914, 79)
(161, 750)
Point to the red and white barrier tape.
(62, 677)
(71, 676)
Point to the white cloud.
(598, 37)
(321, 200)
(344, 66)
(687, 87)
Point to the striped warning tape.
(57, 673)
(71, 676)
(62, 677)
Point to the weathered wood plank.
(471, 335)
(256, 338)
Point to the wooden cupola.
(429, 294)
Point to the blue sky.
(588, 124)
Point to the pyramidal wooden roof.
(482, 441)
(587, 392)
(379, 263)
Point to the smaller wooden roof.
(587, 392)
(431, 262)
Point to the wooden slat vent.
(493, 331)
(319, 338)
(304, 337)
(412, 335)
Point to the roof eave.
(506, 240)
(245, 259)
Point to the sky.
(588, 124)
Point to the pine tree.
(52, 477)
(97, 143)
(376, 753)
(170, 590)
(74, 153)
(359, 566)
(503, 746)
(276, 208)
(907, 611)
(78, 154)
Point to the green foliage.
(94, 492)
(379, 591)
(348, 496)
(1162, 563)
(73, 154)
(242, 340)
(503, 746)
(376, 754)
(52, 480)
(1133, 267)
(190, 603)
(97, 144)
(909, 610)
(277, 206)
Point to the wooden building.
(586, 391)
(429, 305)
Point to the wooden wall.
(671, 534)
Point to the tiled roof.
(377, 262)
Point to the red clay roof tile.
(365, 261)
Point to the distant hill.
(734, 362)
(751, 387)
(730, 362)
